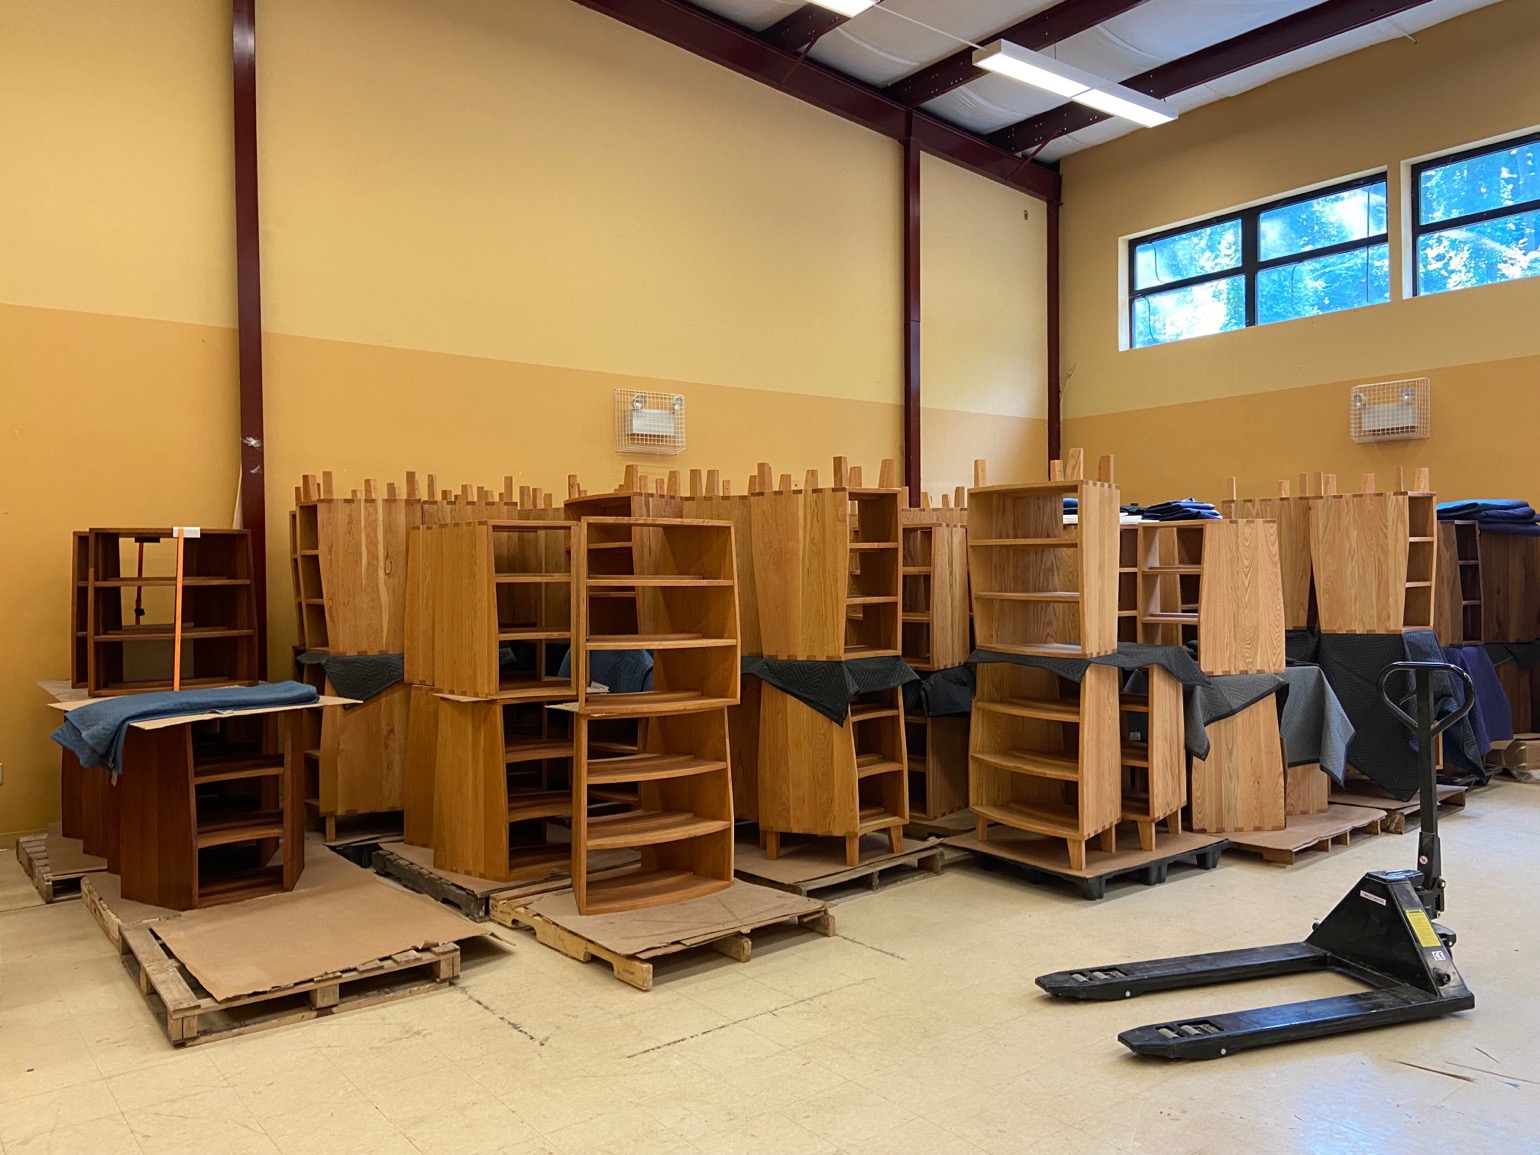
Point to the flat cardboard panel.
(281, 939)
(740, 907)
(183, 719)
(806, 860)
(66, 857)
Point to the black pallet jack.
(1381, 934)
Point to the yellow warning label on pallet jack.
(1422, 928)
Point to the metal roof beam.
(735, 47)
(1036, 32)
(803, 28)
(1268, 42)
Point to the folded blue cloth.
(95, 732)
(1517, 528)
(1471, 507)
(1493, 516)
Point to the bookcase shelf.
(122, 623)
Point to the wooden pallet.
(947, 826)
(472, 897)
(656, 932)
(1045, 860)
(53, 878)
(189, 1015)
(1399, 816)
(1307, 833)
(354, 836)
(809, 864)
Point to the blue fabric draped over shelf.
(95, 732)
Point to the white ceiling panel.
(887, 43)
(754, 14)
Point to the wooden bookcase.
(1038, 587)
(1152, 736)
(843, 781)
(935, 624)
(706, 501)
(679, 578)
(210, 811)
(1510, 587)
(1214, 584)
(1290, 511)
(113, 653)
(1128, 583)
(1170, 578)
(1046, 754)
(1457, 616)
(678, 575)
(937, 749)
(1374, 558)
(827, 572)
(681, 819)
(503, 786)
(502, 601)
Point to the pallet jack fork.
(1381, 934)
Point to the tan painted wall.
(479, 218)
(1267, 402)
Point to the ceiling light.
(1130, 105)
(846, 7)
(1081, 86)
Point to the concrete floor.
(918, 1029)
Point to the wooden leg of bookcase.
(1146, 835)
(896, 839)
(772, 839)
(1077, 854)
(981, 828)
(1109, 838)
(852, 850)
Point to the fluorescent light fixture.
(1130, 105)
(1081, 86)
(846, 7)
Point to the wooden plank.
(806, 866)
(1307, 833)
(1240, 785)
(1240, 605)
(635, 968)
(1044, 857)
(1399, 816)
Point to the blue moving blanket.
(95, 732)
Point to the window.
(1476, 216)
(1298, 257)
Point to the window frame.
(1420, 230)
(1250, 265)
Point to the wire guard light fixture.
(1078, 85)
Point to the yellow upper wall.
(115, 158)
(480, 217)
(983, 294)
(538, 183)
(1459, 82)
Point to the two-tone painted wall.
(1269, 402)
(478, 219)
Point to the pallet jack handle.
(1427, 728)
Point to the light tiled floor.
(918, 1029)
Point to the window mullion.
(1249, 229)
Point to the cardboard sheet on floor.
(742, 906)
(281, 939)
(65, 856)
(804, 859)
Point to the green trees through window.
(1297, 257)
(1478, 217)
